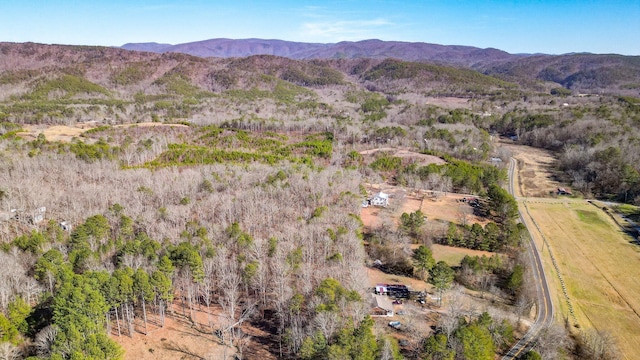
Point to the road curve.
(544, 304)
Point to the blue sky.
(531, 26)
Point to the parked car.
(395, 324)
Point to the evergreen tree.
(441, 277)
(476, 342)
(531, 355)
(423, 259)
(435, 348)
(78, 311)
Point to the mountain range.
(223, 64)
(577, 71)
(372, 49)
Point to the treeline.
(454, 176)
(492, 237)
(596, 144)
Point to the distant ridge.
(374, 49)
(149, 47)
(577, 71)
(308, 64)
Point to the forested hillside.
(136, 187)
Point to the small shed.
(381, 306)
(563, 191)
(380, 199)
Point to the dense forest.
(233, 188)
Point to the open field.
(600, 267)
(66, 133)
(453, 255)
(406, 154)
(536, 175)
(597, 260)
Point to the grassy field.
(599, 265)
(453, 255)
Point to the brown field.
(68, 133)
(406, 154)
(52, 133)
(536, 175)
(376, 276)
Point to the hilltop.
(581, 72)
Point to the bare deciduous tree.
(44, 340)
(9, 351)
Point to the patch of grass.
(590, 217)
(453, 255)
(628, 210)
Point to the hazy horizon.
(543, 26)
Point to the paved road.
(544, 304)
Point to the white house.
(380, 199)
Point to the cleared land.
(407, 155)
(600, 268)
(597, 261)
(454, 255)
(536, 174)
(68, 133)
(439, 208)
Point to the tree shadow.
(172, 346)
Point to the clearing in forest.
(439, 208)
(405, 154)
(453, 255)
(66, 133)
